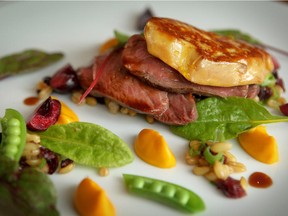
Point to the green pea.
(156, 187)
(11, 149)
(182, 196)
(14, 130)
(138, 183)
(165, 192)
(13, 134)
(13, 140)
(13, 122)
(169, 190)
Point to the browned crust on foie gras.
(206, 58)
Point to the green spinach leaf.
(224, 118)
(87, 144)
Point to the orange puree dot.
(152, 148)
(260, 145)
(91, 200)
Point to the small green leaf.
(121, 37)
(237, 35)
(26, 191)
(87, 144)
(26, 61)
(231, 116)
(38, 192)
(270, 80)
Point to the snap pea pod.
(165, 192)
(13, 134)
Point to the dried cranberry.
(64, 80)
(275, 63)
(265, 93)
(143, 18)
(51, 158)
(279, 80)
(280, 83)
(231, 187)
(47, 80)
(45, 115)
(284, 109)
(22, 163)
(66, 162)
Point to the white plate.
(77, 29)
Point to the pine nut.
(203, 162)
(103, 171)
(201, 170)
(282, 100)
(124, 110)
(33, 162)
(66, 169)
(45, 92)
(149, 119)
(221, 147)
(91, 101)
(76, 98)
(194, 144)
(211, 176)
(32, 138)
(272, 103)
(229, 156)
(131, 112)
(113, 107)
(237, 166)
(222, 171)
(243, 183)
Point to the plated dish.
(77, 29)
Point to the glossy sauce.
(260, 180)
(30, 101)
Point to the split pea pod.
(13, 134)
(165, 192)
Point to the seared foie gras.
(204, 57)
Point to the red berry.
(230, 187)
(64, 80)
(45, 115)
(275, 63)
(284, 109)
(265, 93)
(51, 158)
